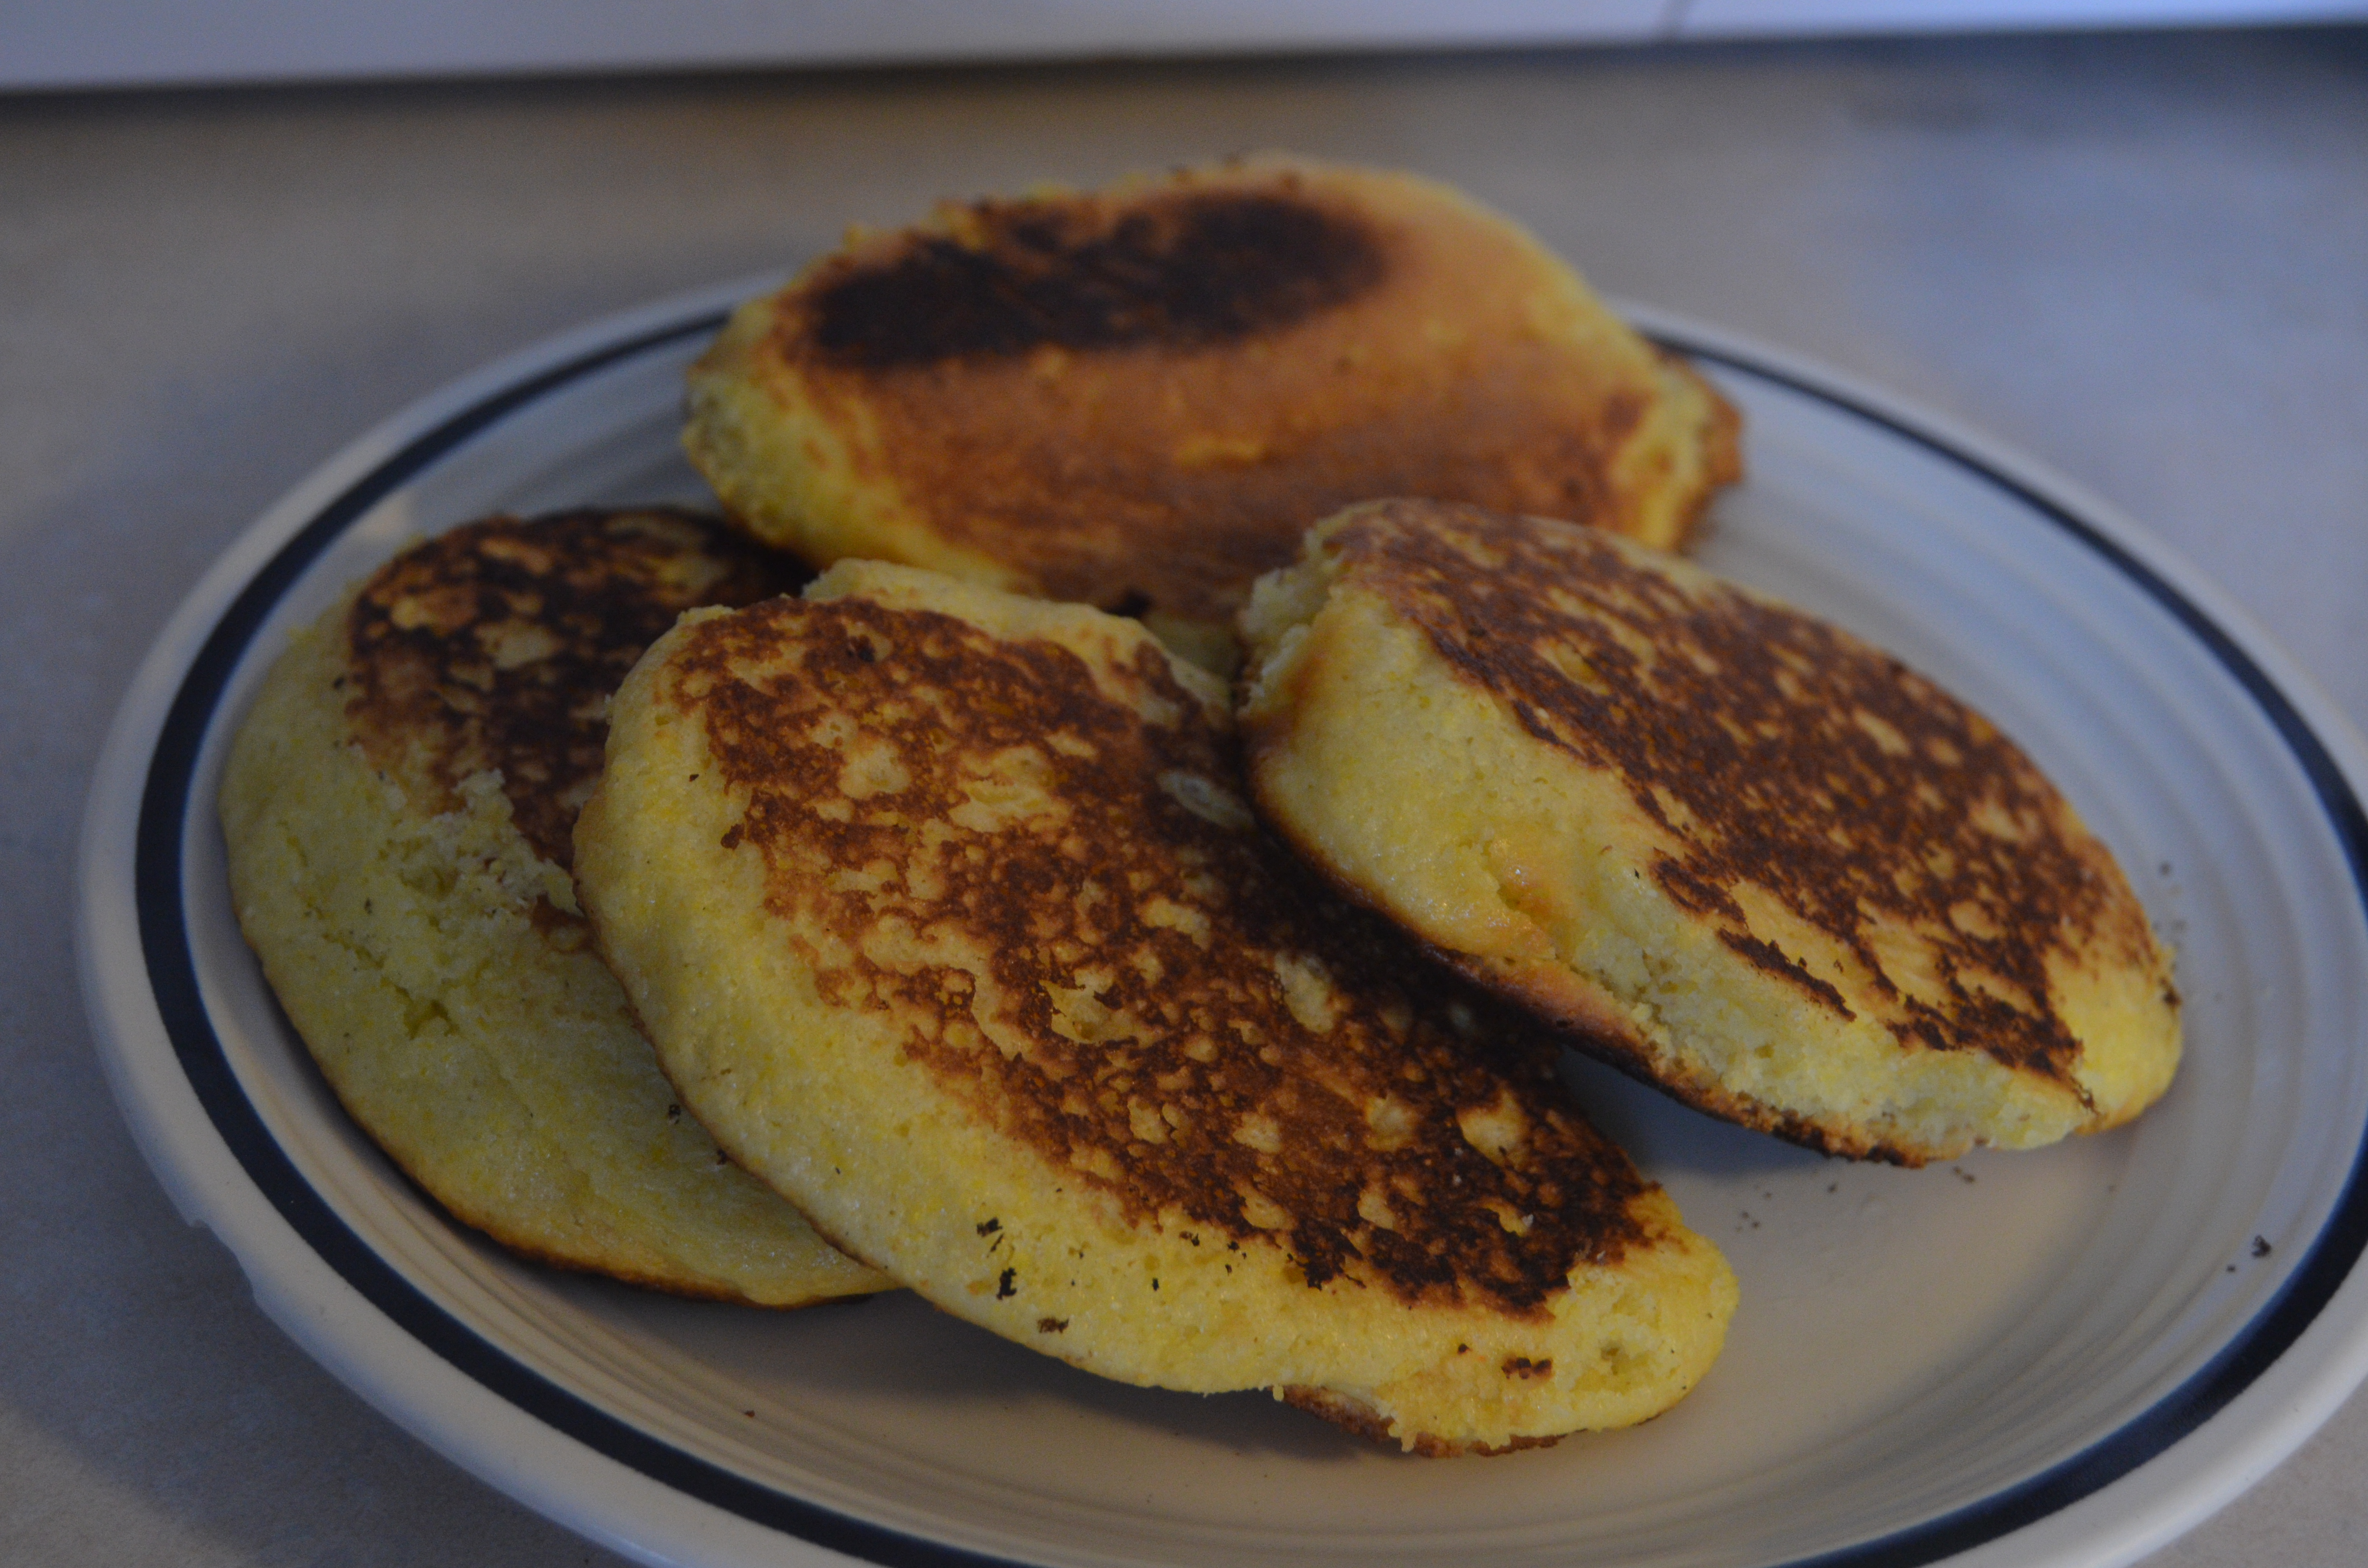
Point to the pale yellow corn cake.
(944, 914)
(1139, 398)
(1744, 855)
(397, 806)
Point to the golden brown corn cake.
(398, 806)
(943, 912)
(1139, 398)
(1751, 858)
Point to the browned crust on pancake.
(499, 1227)
(496, 646)
(1366, 1422)
(1138, 399)
(1185, 1083)
(1781, 752)
(1181, 269)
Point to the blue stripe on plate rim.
(172, 969)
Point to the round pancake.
(1139, 398)
(1748, 857)
(398, 807)
(943, 914)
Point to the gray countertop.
(2141, 258)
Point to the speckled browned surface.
(1777, 750)
(497, 646)
(1134, 1024)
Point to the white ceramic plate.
(2060, 1357)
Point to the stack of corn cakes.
(944, 926)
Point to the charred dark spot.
(1769, 959)
(1052, 1325)
(496, 646)
(1006, 1284)
(990, 1227)
(1522, 1367)
(1690, 891)
(1184, 270)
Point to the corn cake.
(1139, 398)
(1748, 857)
(944, 913)
(398, 806)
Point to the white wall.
(76, 43)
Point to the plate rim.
(209, 1148)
